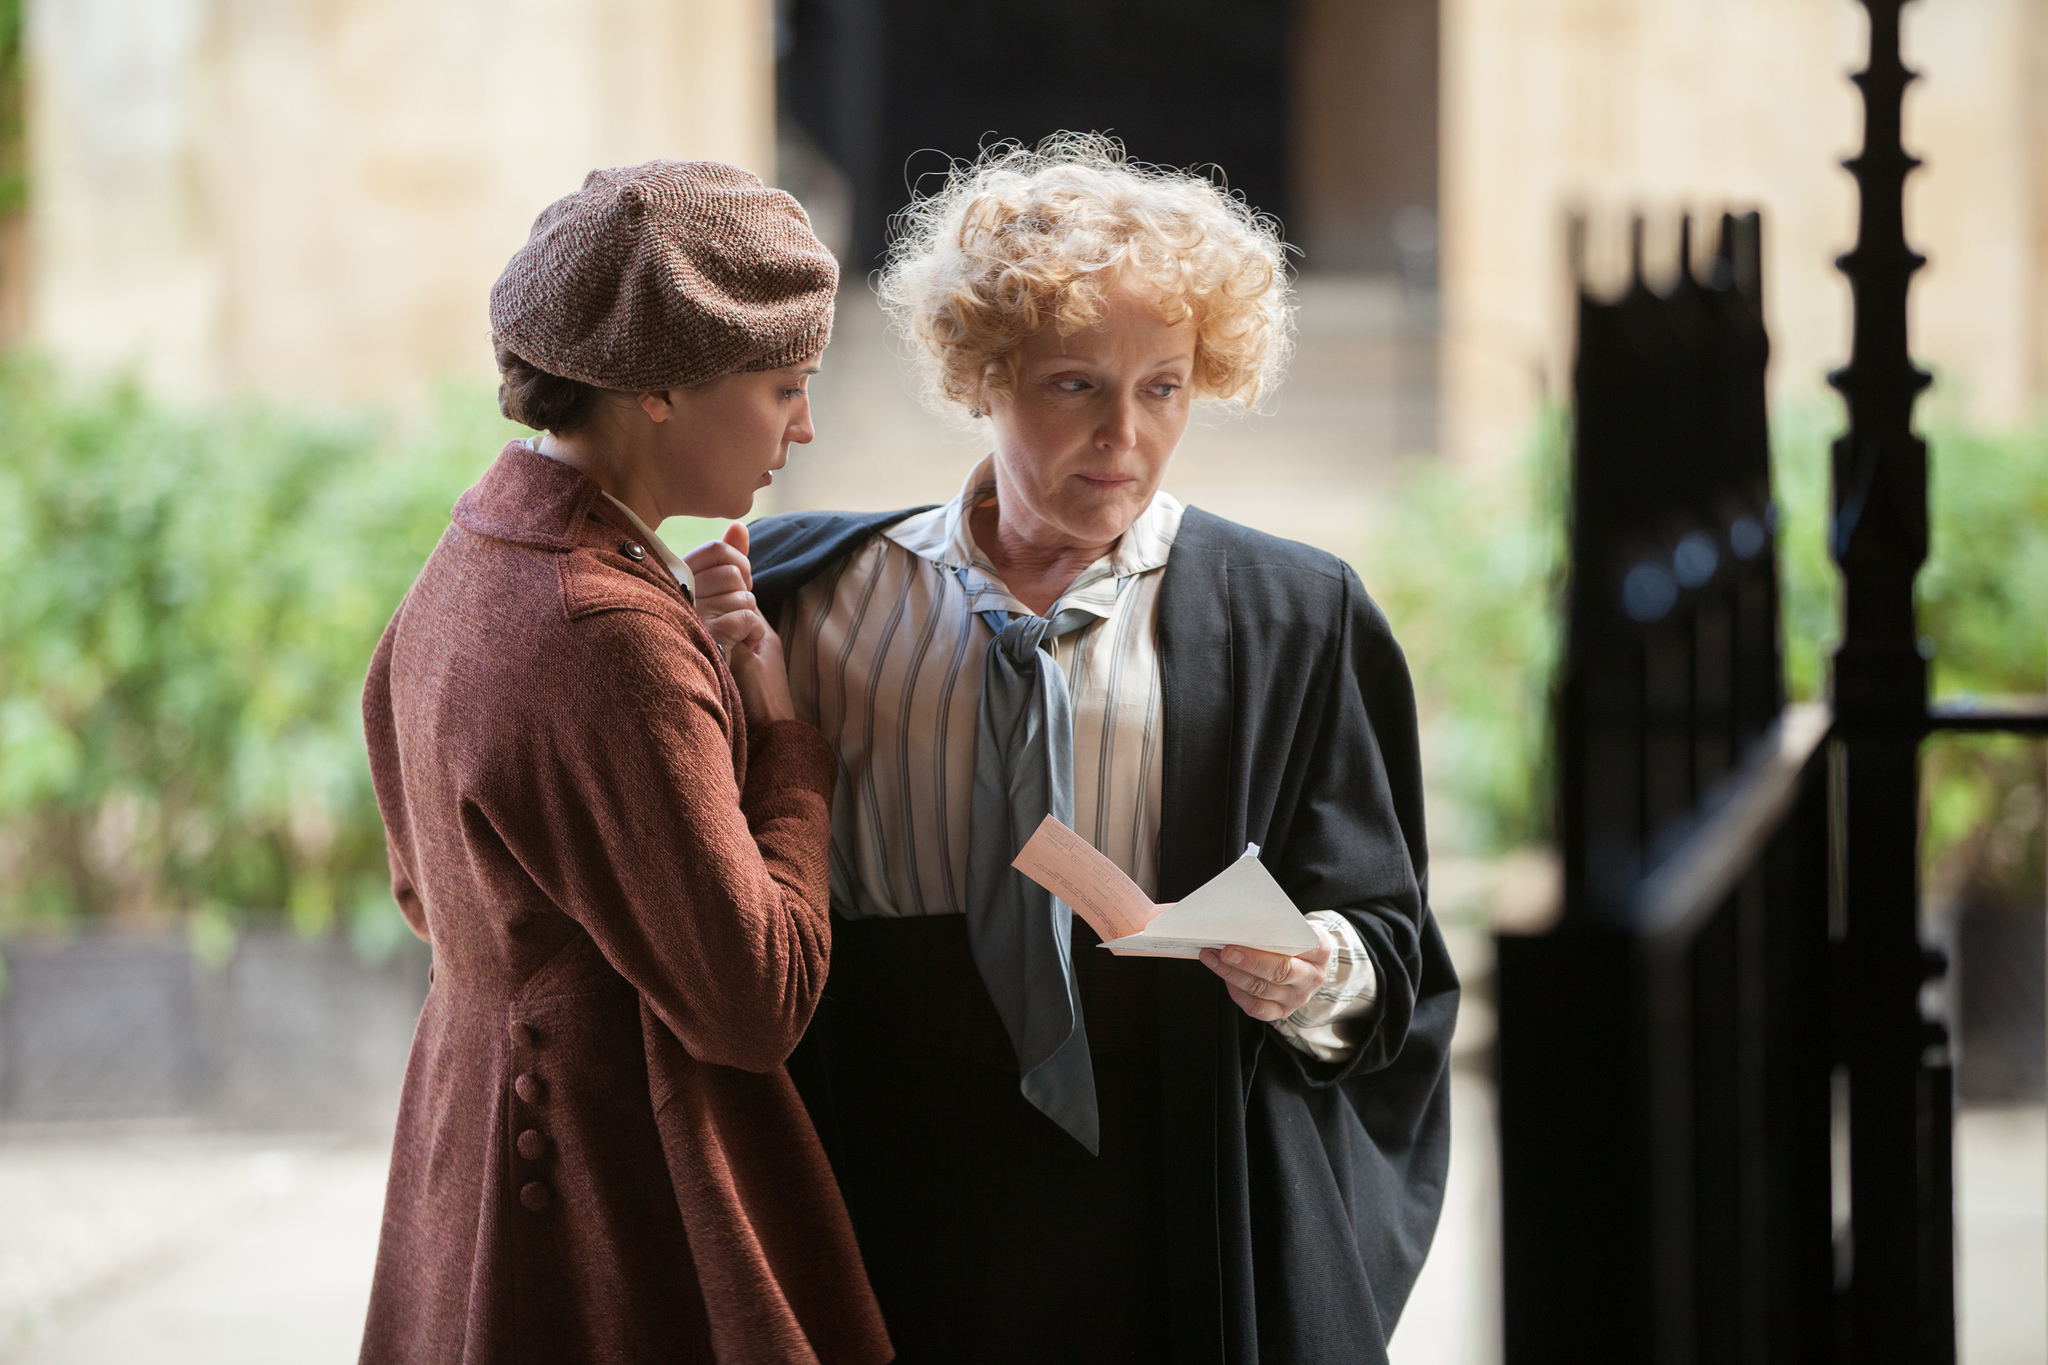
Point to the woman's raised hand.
(1271, 986)
(725, 600)
(725, 582)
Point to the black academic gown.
(1299, 1197)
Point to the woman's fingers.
(1253, 970)
(762, 679)
(724, 589)
(712, 606)
(1265, 1011)
(734, 629)
(721, 582)
(1270, 986)
(714, 555)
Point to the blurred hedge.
(1984, 606)
(1984, 616)
(191, 602)
(1468, 565)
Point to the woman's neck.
(1036, 562)
(591, 455)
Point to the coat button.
(534, 1195)
(634, 550)
(529, 1087)
(522, 1034)
(532, 1145)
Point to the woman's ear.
(659, 407)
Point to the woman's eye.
(1070, 385)
(1163, 390)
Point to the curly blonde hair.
(1020, 237)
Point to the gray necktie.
(1024, 771)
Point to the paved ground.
(172, 1249)
(1453, 1317)
(166, 1248)
(2002, 1235)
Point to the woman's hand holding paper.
(1271, 986)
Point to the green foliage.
(1984, 607)
(1984, 593)
(1809, 588)
(1468, 567)
(191, 603)
(13, 111)
(1983, 601)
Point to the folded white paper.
(1241, 906)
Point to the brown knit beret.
(666, 274)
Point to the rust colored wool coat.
(599, 1156)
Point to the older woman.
(1051, 1153)
(616, 844)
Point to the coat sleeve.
(712, 900)
(1356, 845)
(380, 737)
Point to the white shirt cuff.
(1350, 991)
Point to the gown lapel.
(1201, 830)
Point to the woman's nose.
(1119, 429)
(800, 430)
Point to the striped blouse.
(885, 655)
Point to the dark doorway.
(1327, 107)
(1363, 164)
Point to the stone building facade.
(312, 197)
(1553, 107)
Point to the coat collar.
(677, 566)
(528, 499)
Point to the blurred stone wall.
(284, 1032)
(312, 197)
(1609, 105)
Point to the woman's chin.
(1102, 519)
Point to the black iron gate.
(1724, 1115)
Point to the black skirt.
(989, 1234)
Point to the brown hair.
(532, 397)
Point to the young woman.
(1051, 1153)
(616, 843)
